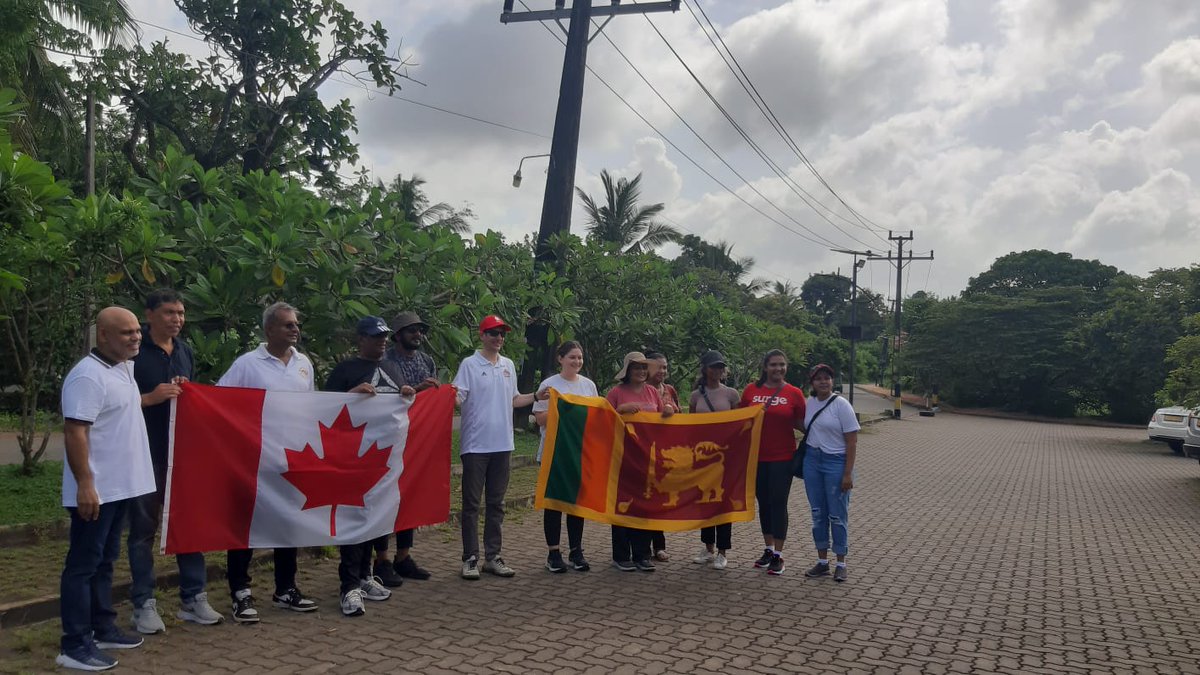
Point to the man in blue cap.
(366, 373)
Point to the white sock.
(823, 561)
(841, 563)
(771, 549)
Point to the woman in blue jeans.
(829, 470)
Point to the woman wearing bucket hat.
(631, 546)
(830, 446)
(568, 381)
(784, 405)
(712, 395)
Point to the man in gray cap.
(417, 370)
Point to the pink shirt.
(648, 400)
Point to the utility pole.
(900, 262)
(564, 145)
(853, 332)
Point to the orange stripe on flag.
(594, 480)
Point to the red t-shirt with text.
(778, 440)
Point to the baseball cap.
(491, 322)
(372, 325)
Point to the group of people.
(116, 409)
(825, 457)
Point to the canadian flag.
(250, 468)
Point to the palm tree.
(411, 198)
(786, 293)
(34, 28)
(621, 221)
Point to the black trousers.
(630, 544)
(237, 565)
(720, 536)
(773, 483)
(552, 525)
(355, 564)
(658, 540)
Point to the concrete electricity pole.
(900, 262)
(853, 332)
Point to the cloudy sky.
(983, 127)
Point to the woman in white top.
(829, 469)
(712, 395)
(567, 381)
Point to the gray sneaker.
(839, 573)
(146, 619)
(470, 570)
(372, 589)
(197, 610)
(496, 566)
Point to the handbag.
(802, 446)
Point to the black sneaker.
(766, 558)
(646, 565)
(818, 570)
(578, 562)
(839, 574)
(116, 639)
(294, 600)
(243, 607)
(625, 565)
(385, 571)
(776, 567)
(554, 562)
(409, 569)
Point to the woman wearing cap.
(712, 395)
(631, 546)
(784, 414)
(829, 470)
(567, 381)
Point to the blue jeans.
(86, 589)
(144, 513)
(830, 506)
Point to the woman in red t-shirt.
(784, 414)
(631, 546)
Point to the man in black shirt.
(366, 373)
(164, 362)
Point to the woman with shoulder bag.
(830, 446)
(784, 406)
(711, 395)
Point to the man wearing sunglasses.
(418, 371)
(487, 394)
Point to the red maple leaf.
(341, 477)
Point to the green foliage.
(1013, 274)
(33, 496)
(1182, 386)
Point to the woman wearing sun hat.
(830, 447)
(712, 395)
(632, 394)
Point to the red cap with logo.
(493, 322)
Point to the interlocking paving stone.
(977, 545)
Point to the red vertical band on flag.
(425, 481)
(597, 459)
(214, 464)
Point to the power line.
(363, 86)
(765, 108)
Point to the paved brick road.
(977, 545)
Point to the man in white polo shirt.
(108, 465)
(275, 366)
(487, 394)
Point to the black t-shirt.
(152, 367)
(352, 372)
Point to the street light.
(517, 175)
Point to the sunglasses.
(494, 333)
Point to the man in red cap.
(487, 394)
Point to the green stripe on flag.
(566, 471)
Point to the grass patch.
(29, 649)
(34, 498)
(11, 421)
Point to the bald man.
(108, 465)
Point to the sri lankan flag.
(680, 473)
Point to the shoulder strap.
(818, 414)
(706, 399)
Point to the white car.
(1170, 425)
(1191, 443)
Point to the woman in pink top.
(631, 546)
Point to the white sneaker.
(372, 589)
(470, 570)
(146, 619)
(719, 562)
(496, 566)
(706, 556)
(199, 611)
(352, 603)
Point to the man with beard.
(416, 370)
(366, 373)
